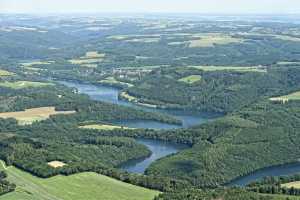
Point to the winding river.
(159, 148)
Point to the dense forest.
(217, 91)
(232, 146)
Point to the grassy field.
(82, 186)
(210, 40)
(32, 115)
(230, 68)
(295, 184)
(190, 79)
(5, 73)
(24, 84)
(292, 96)
(103, 127)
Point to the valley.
(149, 108)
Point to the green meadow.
(88, 185)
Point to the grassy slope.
(81, 186)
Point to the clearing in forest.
(33, 115)
(56, 164)
(88, 185)
(191, 79)
(24, 84)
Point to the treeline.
(5, 186)
(274, 185)
(222, 193)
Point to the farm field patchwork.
(33, 115)
(80, 186)
(24, 84)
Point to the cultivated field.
(24, 84)
(33, 115)
(231, 68)
(190, 79)
(103, 127)
(82, 186)
(5, 73)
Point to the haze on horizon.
(149, 6)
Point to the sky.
(152, 6)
